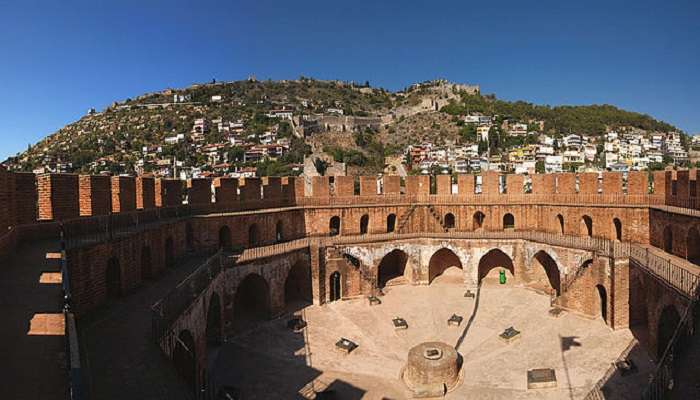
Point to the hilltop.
(268, 127)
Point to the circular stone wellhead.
(432, 369)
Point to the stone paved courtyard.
(272, 362)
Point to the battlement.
(28, 198)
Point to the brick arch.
(546, 270)
(440, 261)
(225, 238)
(692, 242)
(667, 239)
(586, 225)
(214, 327)
(146, 262)
(478, 220)
(494, 258)
(559, 223)
(252, 300)
(254, 238)
(364, 224)
(185, 358)
(334, 225)
(297, 283)
(669, 318)
(617, 229)
(391, 222)
(113, 278)
(392, 267)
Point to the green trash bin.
(502, 277)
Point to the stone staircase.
(403, 220)
(437, 217)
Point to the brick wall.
(199, 191)
(95, 193)
(637, 183)
(250, 189)
(566, 183)
(226, 191)
(465, 184)
(444, 184)
(320, 187)
(26, 199)
(417, 185)
(58, 196)
(272, 188)
(168, 192)
(344, 186)
(588, 183)
(145, 193)
(392, 185)
(6, 201)
(489, 182)
(612, 183)
(123, 194)
(368, 186)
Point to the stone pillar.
(619, 295)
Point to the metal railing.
(75, 380)
(661, 382)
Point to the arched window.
(560, 222)
(113, 278)
(364, 224)
(225, 238)
(668, 239)
(391, 222)
(449, 221)
(586, 226)
(693, 246)
(279, 232)
(478, 220)
(508, 221)
(253, 236)
(146, 263)
(618, 228)
(335, 226)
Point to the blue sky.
(60, 58)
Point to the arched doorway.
(390, 222)
(668, 322)
(146, 264)
(185, 359)
(279, 232)
(334, 226)
(335, 290)
(546, 272)
(442, 261)
(225, 238)
(617, 225)
(169, 253)
(297, 286)
(478, 220)
(602, 302)
(392, 266)
(508, 221)
(253, 235)
(189, 236)
(449, 221)
(492, 263)
(693, 246)
(252, 301)
(560, 223)
(113, 278)
(364, 224)
(214, 330)
(586, 226)
(668, 239)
